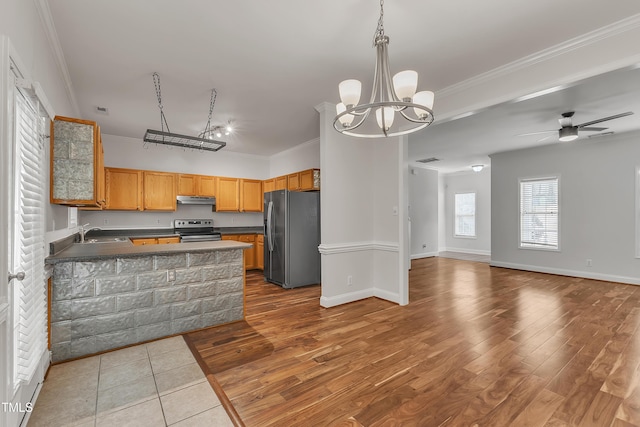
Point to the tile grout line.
(153, 373)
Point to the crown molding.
(54, 41)
(612, 30)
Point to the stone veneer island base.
(103, 298)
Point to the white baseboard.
(424, 255)
(386, 295)
(345, 298)
(467, 251)
(327, 302)
(565, 272)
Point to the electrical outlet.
(349, 280)
(589, 262)
(171, 275)
(157, 221)
(105, 221)
(424, 246)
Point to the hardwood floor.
(476, 346)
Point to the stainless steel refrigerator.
(291, 238)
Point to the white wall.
(423, 210)
(597, 207)
(301, 157)
(362, 182)
(469, 182)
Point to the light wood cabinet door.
(159, 191)
(251, 195)
(207, 185)
(310, 180)
(123, 189)
(268, 185)
(249, 253)
(144, 241)
(281, 183)
(293, 182)
(227, 195)
(260, 251)
(167, 240)
(187, 185)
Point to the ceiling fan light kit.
(389, 96)
(568, 133)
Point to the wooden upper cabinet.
(251, 195)
(293, 182)
(123, 189)
(76, 162)
(268, 185)
(281, 183)
(196, 185)
(159, 191)
(227, 194)
(207, 185)
(187, 185)
(310, 180)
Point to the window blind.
(30, 293)
(465, 211)
(539, 213)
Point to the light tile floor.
(154, 384)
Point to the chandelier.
(388, 97)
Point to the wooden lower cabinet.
(253, 257)
(141, 241)
(260, 251)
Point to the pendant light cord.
(380, 28)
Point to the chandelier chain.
(380, 28)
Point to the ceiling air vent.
(429, 160)
(102, 110)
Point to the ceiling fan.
(568, 131)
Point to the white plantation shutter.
(539, 213)
(30, 293)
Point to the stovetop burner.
(195, 230)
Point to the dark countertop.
(240, 230)
(95, 251)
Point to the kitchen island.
(110, 295)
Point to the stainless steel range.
(195, 230)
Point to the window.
(465, 215)
(539, 213)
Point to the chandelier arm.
(363, 116)
(429, 118)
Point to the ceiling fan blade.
(538, 133)
(594, 129)
(604, 119)
(545, 138)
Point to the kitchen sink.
(106, 240)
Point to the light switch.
(395, 211)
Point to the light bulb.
(405, 84)
(388, 117)
(218, 134)
(229, 129)
(350, 91)
(347, 118)
(423, 98)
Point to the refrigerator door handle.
(269, 226)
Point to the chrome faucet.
(84, 231)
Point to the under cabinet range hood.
(196, 200)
